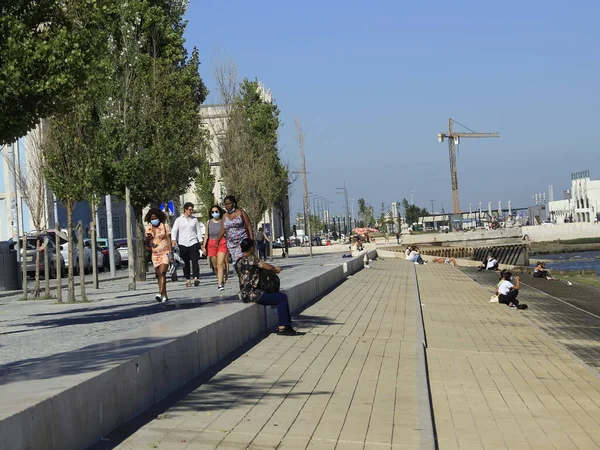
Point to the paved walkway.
(497, 380)
(113, 313)
(349, 382)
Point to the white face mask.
(215, 215)
(231, 211)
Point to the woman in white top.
(507, 292)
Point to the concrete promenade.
(495, 378)
(72, 373)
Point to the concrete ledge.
(71, 400)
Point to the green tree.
(71, 166)
(151, 112)
(203, 187)
(50, 52)
(250, 162)
(413, 212)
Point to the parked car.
(87, 258)
(106, 254)
(121, 245)
(30, 255)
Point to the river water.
(572, 261)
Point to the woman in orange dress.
(158, 235)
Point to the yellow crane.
(453, 141)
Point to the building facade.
(580, 202)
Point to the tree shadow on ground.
(86, 359)
(210, 394)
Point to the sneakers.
(522, 306)
(287, 331)
(196, 283)
(158, 298)
(221, 287)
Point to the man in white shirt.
(187, 233)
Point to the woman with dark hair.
(540, 271)
(235, 227)
(248, 267)
(158, 236)
(217, 254)
(507, 292)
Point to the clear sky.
(374, 82)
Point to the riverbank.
(547, 248)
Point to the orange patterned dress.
(160, 244)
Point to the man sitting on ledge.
(248, 268)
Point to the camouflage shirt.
(248, 268)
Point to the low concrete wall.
(60, 408)
(562, 231)
(463, 238)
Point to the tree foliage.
(413, 212)
(366, 212)
(48, 56)
(250, 163)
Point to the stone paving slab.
(567, 320)
(497, 380)
(37, 329)
(348, 383)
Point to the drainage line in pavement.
(428, 435)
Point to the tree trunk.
(140, 248)
(71, 282)
(46, 269)
(81, 260)
(283, 228)
(36, 287)
(93, 233)
(24, 266)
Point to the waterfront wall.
(562, 231)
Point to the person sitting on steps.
(540, 271)
(248, 267)
(507, 292)
(490, 263)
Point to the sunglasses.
(214, 210)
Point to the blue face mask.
(230, 211)
(155, 222)
(216, 215)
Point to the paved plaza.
(497, 380)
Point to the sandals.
(188, 283)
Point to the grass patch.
(592, 240)
(582, 279)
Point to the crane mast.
(453, 140)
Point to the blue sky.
(374, 82)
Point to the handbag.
(268, 281)
(494, 299)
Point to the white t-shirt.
(491, 263)
(504, 287)
(414, 255)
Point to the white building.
(581, 201)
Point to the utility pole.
(14, 209)
(300, 139)
(130, 251)
(453, 141)
(111, 239)
(432, 206)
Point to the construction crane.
(453, 141)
